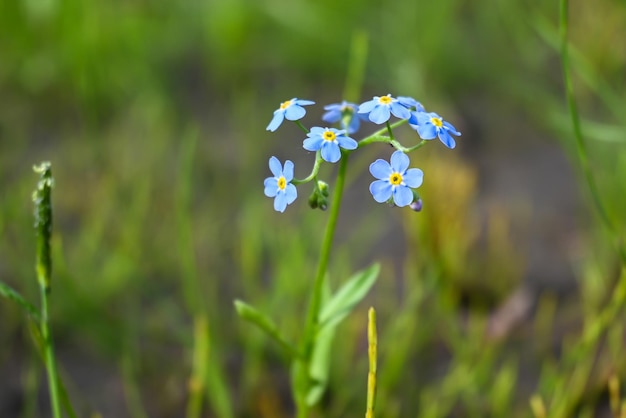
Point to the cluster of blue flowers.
(394, 182)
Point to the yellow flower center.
(329, 136)
(395, 179)
(437, 122)
(285, 105)
(282, 183)
(385, 100)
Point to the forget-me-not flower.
(411, 104)
(290, 110)
(395, 179)
(279, 187)
(328, 140)
(431, 125)
(379, 109)
(337, 111)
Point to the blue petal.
(380, 114)
(271, 186)
(399, 162)
(316, 130)
(380, 169)
(331, 152)
(334, 106)
(280, 202)
(423, 117)
(288, 171)
(400, 111)
(303, 102)
(413, 119)
(427, 131)
(313, 143)
(402, 196)
(278, 118)
(291, 193)
(355, 124)
(332, 116)
(276, 167)
(294, 112)
(446, 139)
(368, 106)
(413, 177)
(381, 190)
(346, 142)
(451, 128)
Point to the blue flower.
(379, 109)
(337, 111)
(291, 109)
(328, 140)
(431, 125)
(394, 180)
(279, 187)
(411, 104)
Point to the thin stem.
(49, 355)
(316, 169)
(297, 122)
(581, 148)
(316, 296)
(389, 130)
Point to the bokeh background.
(153, 114)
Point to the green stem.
(316, 169)
(581, 148)
(302, 126)
(316, 297)
(49, 355)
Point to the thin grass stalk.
(43, 267)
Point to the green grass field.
(508, 286)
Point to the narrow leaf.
(11, 294)
(346, 298)
(251, 314)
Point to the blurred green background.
(153, 114)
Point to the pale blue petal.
(316, 130)
(288, 171)
(399, 162)
(355, 124)
(413, 177)
(451, 128)
(294, 112)
(271, 186)
(423, 117)
(331, 152)
(304, 102)
(291, 193)
(400, 111)
(380, 114)
(381, 169)
(278, 118)
(367, 106)
(347, 142)
(380, 190)
(402, 196)
(332, 116)
(276, 167)
(313, 143)
(427, 131)
(446, 139)
(280, 202)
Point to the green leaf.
(319, 368)
(253, 315)
(346, 298)
(11, 294)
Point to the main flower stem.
(49, 355)
(316, 296)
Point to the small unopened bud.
(319, 197)
(416, 205)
